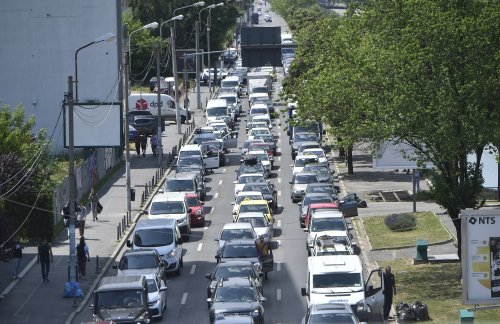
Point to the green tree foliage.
(421, 71)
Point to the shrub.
(424, 195)
(400, 222)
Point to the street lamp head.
(105, 38)
(199, 4)
(210, 7)
(219, 4)
(179, 17)
(152, 25)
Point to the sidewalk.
(29, 300)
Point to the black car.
(250, 166)
(324, 187)
(234, 269)
(322, 170)
(145, 125)
(237, 296)
(268, 192)
(299, 138)
(247, 250)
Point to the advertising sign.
(397, 156)
(481, 256)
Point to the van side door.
(374, 293)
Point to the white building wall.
(38, 41)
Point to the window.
(153, 237)
(254, 208)
(232, 272)
(179, 185)
(328, 224)
(236, 234)
(235, 294)
(240, 251)
(216, 111)
(167, 207)
(336, 280)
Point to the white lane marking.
(279, 193)
(193, 268)
(278, 150)
(279, 242)
(279, 141)
(278, 266)
(184, 298)
(199, 247)
(220, 182)
(224, 170)
(278, 294)
(279, 223)
(279, 158)
(216, 195)
(205, 228)
(279, 180)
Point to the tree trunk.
(341, 149)
(350, 166)
(454, 215)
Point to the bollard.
(146, 191)
(142, 199)
(123, 224)
(118, 231)
(96, 264)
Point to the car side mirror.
(190, 210)
(129, 243)
(303, 292)
(180, 240)
(291, 165)
(209, 300)
(208, 276)
(91, 306)
(263, 299)
(115, 267)
(290, 182)
(232, 203)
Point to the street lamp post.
(174, 66)
(126, 70)
(71, 156)
(158, 86)
(198, 30)
(209, 24)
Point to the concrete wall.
(38, 41)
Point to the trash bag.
(416, 311)
(421, 311)
(71, 288)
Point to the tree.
(420, 71)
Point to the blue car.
(132, 133)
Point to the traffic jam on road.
(257, 259)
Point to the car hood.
(261, 230)
(299, 186)
(336, 296)
(132, 272)
(170, 216)
(121, 314)
(235, 306)
(253, 260)
(194, 209)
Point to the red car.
(313, 207)
(196, 213)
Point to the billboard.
(396, 156)
(95, 125)
(481, 256)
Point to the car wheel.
(183, 119)
(178, 271)
(181, 263)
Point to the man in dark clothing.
(17, 255)
(45, 257)
(389, 290)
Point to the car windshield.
(189, 169)
(236, 234)
(240, 251)
(328, 224)
(239, 199)
(179, 185)
(336, 280)
(230, 100)
(317, 168)
(318, 153)
(235, 294)
(246, 144)
(307, 146)
(261, 156)
(152, 287)
(260, 146)
(187, 161)
(250, 179)
(320, 189)
(119, 298)
(233, 271)
(316, 199)
(255, 221)
(229, 84)
(343, 318)
(257, 168)
(192, 202)
(259, 111)
(305, 178)
(306, 128)
(216, 111)
(259, 131)
(264, 188)
(138, 261)
(153, 237)
(305, 137)
(302, 162)
(167, 207)
(254, 208)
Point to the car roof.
(305, 173)
(154, 223)
(140, 252)
(306, 143)
(330, 308)
(169, 196)
(120, 283)
(181, 177)
(317, 194)
(322, 184)
(191, 147)
(251, 215)
(320, 213)
(191, 195)
(235, 263)
(249, 193)
(305, 157)
(334, 263)
(240, 242)
(324, 205)
(236, 281)
(237, 225)
(254, 201)
(251, 175)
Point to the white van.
(171, 205)
(216, 108)
(339, 279)
(231, 83)
(149, 102)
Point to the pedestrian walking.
(389, 290)
(144, 144)
(17, 255)
(154, 143)
(137, 142)
(81, 217)
(83, 256)
(45, 257)
(93, 204)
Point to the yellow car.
(251, 206)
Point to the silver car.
(299, 184)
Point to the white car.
(301, 161)
(242, 195)
(157, 295)
(260, 224)
(264, 158)
(235, 231)
(258, 130)
(329, 222)
(318, 152)
(247, 178)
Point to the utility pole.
(197, 78)
(72, 184)
(125, 105)
(158, 85)
(208, 48)
(185, 83)
(176, 82)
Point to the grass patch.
(428, 227)
(438, 286)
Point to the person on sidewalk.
(17, 255)
(81, 217)
(144, 144)
(93, 204)
(45, 257)
(154, 143)
(82, 256)
(389, 291)
(137, 142)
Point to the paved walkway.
(29, 300)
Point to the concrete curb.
(122, 242)
(27, 268)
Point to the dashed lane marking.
(193, 268)
(220, 182)
(224, 170)
(279, 180)
(216, 195)
(279, 193)
(278, 294)
(278, 266)
(199, 247)
(205, 228)
(184, 298)
(279, 223)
